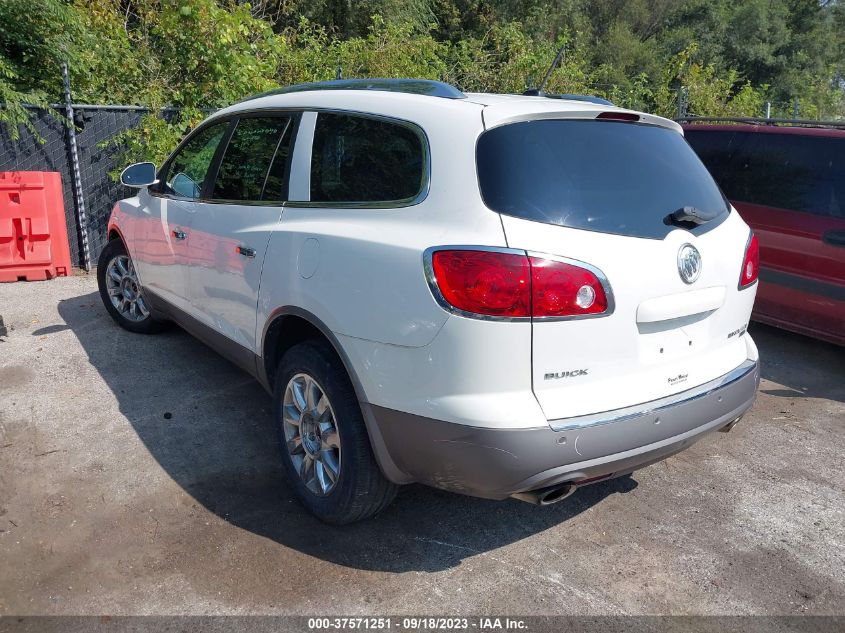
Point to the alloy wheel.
(124, 289)
(311, 434)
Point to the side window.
(254, 166)
(802, 173)
(787, 171)
(359, 159)
(187, 170)
(727, 156)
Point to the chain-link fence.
(49, 150)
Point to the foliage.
(36, 36)
(194, 55)
(312, 53)
(14, 112)
(731, 56)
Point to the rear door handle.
(246, 251)
(834, 238)
(179, 235)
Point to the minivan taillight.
(499, 284)
(750, 263)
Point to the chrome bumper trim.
(654, 406)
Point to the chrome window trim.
(431, 279)
(227, 120)
(242, 203)
(214, 120)
(654, 406)
(425, 182)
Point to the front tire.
(326, 451)
(121, 291)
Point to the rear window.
(606, 176)
(787, 171)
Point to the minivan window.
(257, 150)
(608, 176)
(786, 171)
(358, 159)
(187, 169)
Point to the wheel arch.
(288, 325)
(114, 233)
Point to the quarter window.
(188, 168)
(254, 166)
(357, 159)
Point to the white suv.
(499, 295)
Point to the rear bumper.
(496, 463)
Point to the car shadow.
(806, 367)
(209, 426)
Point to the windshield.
(607, 176)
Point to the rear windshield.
(607, 176)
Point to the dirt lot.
(139, 475)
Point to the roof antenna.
(339, 73)
(538, 91)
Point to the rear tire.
(122, 293)
(326, 450)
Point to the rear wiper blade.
(686, 216)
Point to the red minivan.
(788, 184)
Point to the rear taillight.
(499, 284)
(559, 289)
(484, 282)
(750, 263)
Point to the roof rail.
(762, 121)
(533, 92)
(426, 87)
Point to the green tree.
(36, 37)
(195, 55)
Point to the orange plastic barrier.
(33, 234)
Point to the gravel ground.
(139, 475)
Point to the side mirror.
(139, 175)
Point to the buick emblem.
(689, 263)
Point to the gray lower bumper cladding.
(497, 463)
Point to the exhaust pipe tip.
(546, 496)
(557, 494)
(730, 425)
